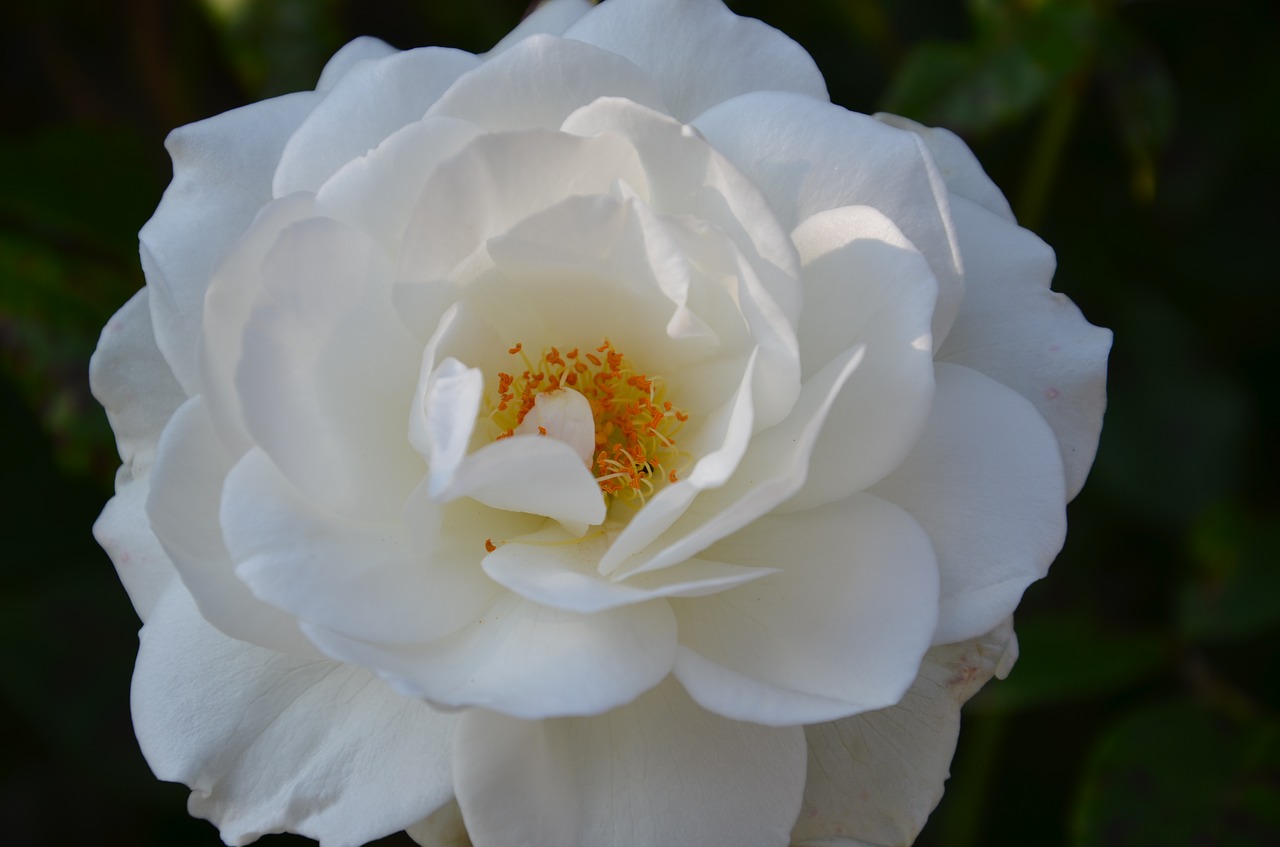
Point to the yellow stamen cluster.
(635, 426)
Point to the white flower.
(607, 432)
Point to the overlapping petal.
(1013, 328)
(985, 481)
(808, 157)
(874, 778)
(838, 630)
(135, 385)
(222, 170)
(539, 82)
(327, 370)
(270, 743)
(657, 772)
(366, 104)
(726, 54)
(182, 508)
(526, 660)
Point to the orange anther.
(542, 430)
(489, 545)
(514, 350)
(672, 477)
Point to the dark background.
(1140, 139)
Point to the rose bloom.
(602, 441)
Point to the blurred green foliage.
(1138, 138)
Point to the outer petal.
(526, 660)
(808, 157)
(133, 382)
(985, 481)
(839, 630)
(655, 773)
(356, 50)
(270, 743)
(699, 51)
(368, 103)
(539, 82)
(958, 166)
(124, 532)
(377, 192)
(186, 487)
(1013, 328)
(874, 778)
(222, 170)
(552, 17)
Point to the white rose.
(688, 439)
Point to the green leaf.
(1069, 658)
(1176, 775)
(1142, 97)
(280, 46)
(1020, 55)
(1234, 591)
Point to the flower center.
(635, 425)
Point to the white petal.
(133, 383)
(356, 50)
(985, 481)
(222, 170)
(1013, 328)
(235, 289)
(186, 488)
(554, 568)
(809, 157)
(699, 51)
(874, 778)
(443, 417)
(269, 743)
(564, 415)
(734, 423)
(958, 166)
(530, 474)
(327, 371)
(561, 255)
(552, 17)
(364, 580)
(539, 82)
(497, 180)
(526, 660)
(773, 469)
(866, 285)
(124, 531)
(688, 176)
(442, 828)
(655, 773)
(839, 630)
(369, 102)
(377, 192)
